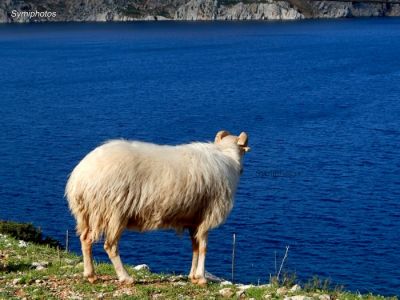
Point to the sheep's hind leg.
(200, 271)
(112, 251)
(195, 248)
(88, 268)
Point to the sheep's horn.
(220, 135)
(243, 139)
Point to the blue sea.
(320, 101)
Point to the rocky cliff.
(129, 10)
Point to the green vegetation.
(27, 232)
(135, 11)
(132, 11)
(163, 12)
(39, 271)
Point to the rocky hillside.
(37, 271)
(129, 10)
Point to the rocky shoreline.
(17, 11)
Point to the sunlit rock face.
(130, 10)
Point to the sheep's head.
(232, 145)
(223, 137)
(228, 142)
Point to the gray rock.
(100, 296)
(282, 291)
(142, 267)
(295, 288)
(341, 9)
(394, 10)
(197, 10)
(177, 278)
(240, 294)
(226, 292)
(181, 283)
(40, 265)
(298, 297)
(271, 10)
(244, 287)
(22, 244)
(69, 261)
(324, 297)
(105, 10)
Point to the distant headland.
(17, 11)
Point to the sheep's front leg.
(88, 268)
(195, 258)
(112, 251)
(200, 271)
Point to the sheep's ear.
(220, 135)
(243, 139)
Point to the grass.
(62, 279)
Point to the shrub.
(27, 232)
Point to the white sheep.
(142, 186)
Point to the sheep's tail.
(94, 219)
(79, 208)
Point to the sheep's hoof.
(202, 281)
(92, 278)
(193, 280)
(126, 280)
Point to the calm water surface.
(319, 99)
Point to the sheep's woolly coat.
(142, 186)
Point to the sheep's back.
(147, 185)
